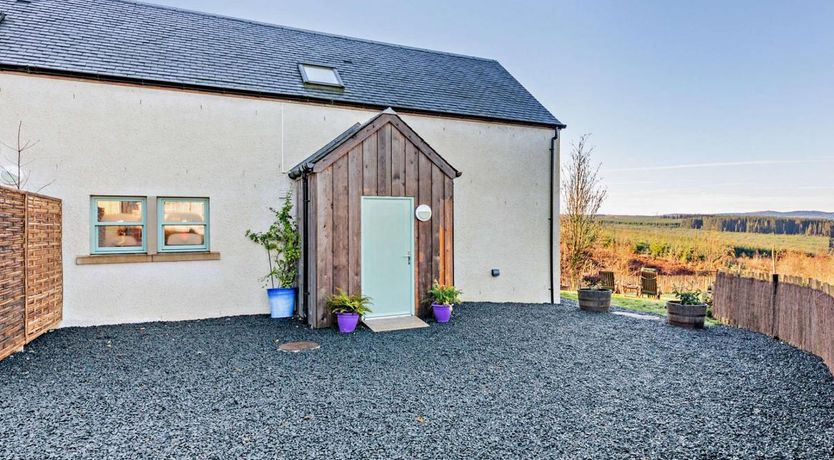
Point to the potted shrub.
(444, 299)
(592, 297)
(283, 247)
(688, 309)
(348, 308)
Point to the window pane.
(185, 211)
(119, 211)
(184, 235)
(115, 236)
(316, 74)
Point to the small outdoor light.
(496, 272)
(423, 212)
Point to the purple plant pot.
(347, 322)
(442, 313)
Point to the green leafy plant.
(342, 302)
(444, 295)
(709, 300)
(688, 297)
(283, 246)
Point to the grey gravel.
(499, 381)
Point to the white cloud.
(816, 187)
(722, 164)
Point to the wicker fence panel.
(44, 268)
(744, 302)
(31, 276)
(12, 284)
(806, 316)
(797, 311)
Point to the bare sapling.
(583, 195)
(17, 174)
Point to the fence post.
(26, 324)
(774, 306)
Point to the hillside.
(815, 215)
(787, 214)
(754, 222)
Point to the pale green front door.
(388, 255)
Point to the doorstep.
(394, 323)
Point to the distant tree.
(583, 195)
(17, 175)
(758, 224)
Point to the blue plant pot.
(281, 302)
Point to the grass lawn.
(638, 304)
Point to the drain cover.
(295, 347)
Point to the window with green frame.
(182, 224)
(118, 224)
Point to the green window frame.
(162, 224)
(97, 225)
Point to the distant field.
(658, 229)
(744, 241)
(642, 220)
(629, 243)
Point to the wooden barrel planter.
(598, 300)
(691, 316)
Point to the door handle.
(408, 256)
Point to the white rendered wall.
(99, 138)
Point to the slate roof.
(129, 40)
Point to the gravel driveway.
(499, 381)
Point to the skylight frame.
(308, 81)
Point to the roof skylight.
(320, 75)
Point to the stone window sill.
(145, 258)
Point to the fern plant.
(283, 246)
(342, 302)
(443, 294)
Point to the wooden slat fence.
(796, 310)
(31, 269)
(668, 283)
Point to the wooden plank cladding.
(31, 269)
(385, 157)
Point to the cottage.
(168, 133)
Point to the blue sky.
(693, 106)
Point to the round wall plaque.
(423, 212)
